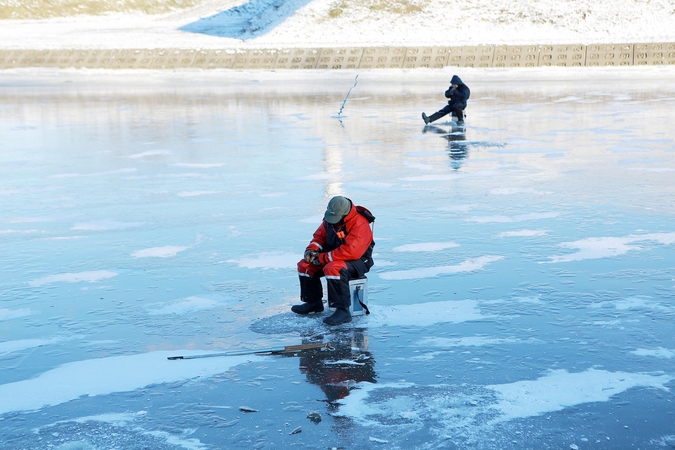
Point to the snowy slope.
(306, 23)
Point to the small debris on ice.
(296, 431)
(379, 441)
(314, 417)
(247, 409)
(574, 447)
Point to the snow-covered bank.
(321, 23)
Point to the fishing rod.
(286, 349)
(356, 80)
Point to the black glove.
(312, 257)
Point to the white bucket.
(358, 290)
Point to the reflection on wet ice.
(338, 370)
(457, 145)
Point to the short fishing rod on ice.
(286, 349)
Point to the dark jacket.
(458, 96)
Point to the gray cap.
(338, 207)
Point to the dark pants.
(337, 275)
(456, 109)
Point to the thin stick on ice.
(356, 80)
(286, 349)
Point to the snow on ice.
(107, 375)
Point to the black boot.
(307, 308)
(340, 315)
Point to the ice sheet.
(523, 283)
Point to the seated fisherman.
(458, 94)
(341, 249)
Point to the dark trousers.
(337, 276)
(457, 110)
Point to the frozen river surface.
(523, 293)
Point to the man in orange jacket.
(341, 249)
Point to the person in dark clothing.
(341, 249)
(458, 94)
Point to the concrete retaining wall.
(349, 58)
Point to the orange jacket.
(350, 241)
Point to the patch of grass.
(46, 9)
(400, 7)
(337, 10)
(394, 6)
